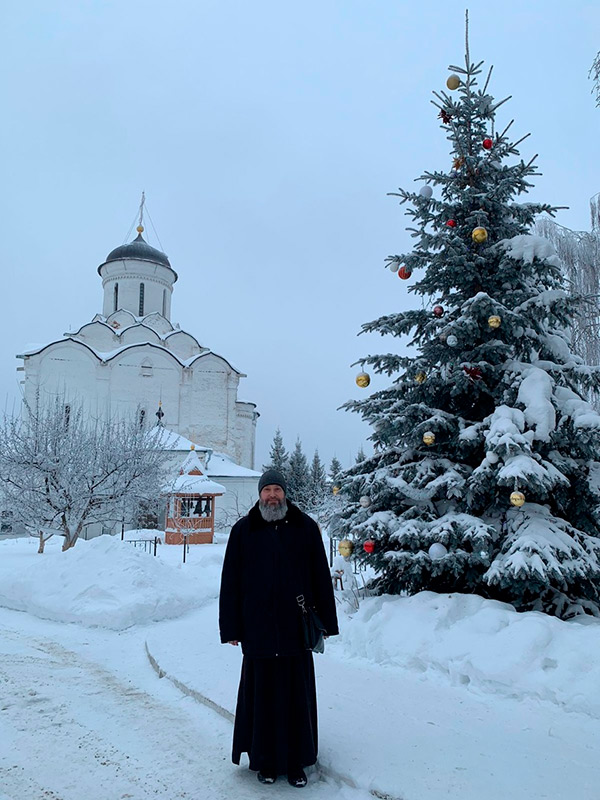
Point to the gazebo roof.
(195, 484)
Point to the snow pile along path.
(402, 734)
(103, 582)
(482, 644)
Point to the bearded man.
(274, 555)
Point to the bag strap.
(300, 601)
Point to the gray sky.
(266, 136)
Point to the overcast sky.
(266, 135)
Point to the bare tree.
(579, 252)
(227, 517)
(594, 74)
(61, 469)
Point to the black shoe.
(267, 776)
(297, 778)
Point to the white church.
(132, 359)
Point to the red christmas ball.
(487, 143)
(369, 546)
(473, 372)
(451, 223)
(404, 273)
(438, 311)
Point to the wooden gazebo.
(191, 505)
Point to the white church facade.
(131, 357)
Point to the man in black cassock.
(275, 554)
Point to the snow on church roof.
(174, 441)
(221, 465)
(106, 356)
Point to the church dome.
(140, 250)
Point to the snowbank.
(482, 644)
(464, 640)
(104, 582)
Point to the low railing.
(147, 545)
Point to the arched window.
(141, 308)
(67, 417)
(116, 297)
(164, 310)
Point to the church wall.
(182, 344)
(65, 369)
(241, 495)
(140, 378)
(245, 433)
(207, 408)
(137, 334)
(99, 336)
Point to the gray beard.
(273, 513)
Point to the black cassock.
(267, 565)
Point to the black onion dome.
(139, 249)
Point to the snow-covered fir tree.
(317, 483)
(360, 456)
(484, 446)
(278, 455)
(335, 470)
(298, 477)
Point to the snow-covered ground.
(435, 696)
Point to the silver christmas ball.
(426, 191)
(452, 341)
(437, 551)
(365, 501)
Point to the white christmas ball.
(452, 341)
(437, 551)
(426, 191)
(394, 266)
(365, 501)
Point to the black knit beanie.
(271, 476)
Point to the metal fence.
(147, 545)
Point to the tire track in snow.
(72, 730)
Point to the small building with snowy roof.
(131, 356)
(190, 514)
(240, 484)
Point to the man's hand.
(234, 642)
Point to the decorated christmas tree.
(485, 476)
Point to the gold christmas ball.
(479, 235)
(420, 377)
(335, 489)
(517, 499)
(429, 437)
(363, 380)
(494, 321)
(453, 82)
(346, 548)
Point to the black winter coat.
(267, 565)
